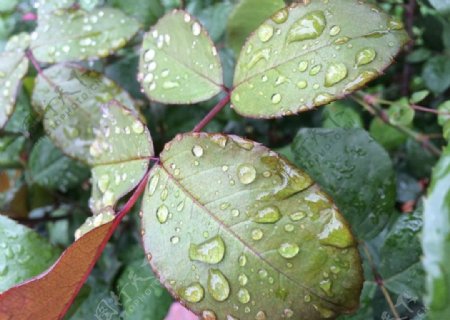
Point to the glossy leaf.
(436, 241)
(179, 63)
(13, 67)
(246, 17)
(250, 230)
(67, 35)
(50, 168)
(49, 295)
(18, 258)
(436, 74)
(342, 162)
(308, 55)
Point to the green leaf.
(436, 241)
(51, 169)
(8, 5)
(215, 18)
(23, 253)
(13, 67)
(10, 149)
(401, 113)
(386, 135)
(441, 5)
(341, 115)
(84, 119)
(401, 265)
(46, 7)
(246, 17)
(436, 74)
(146, 12)
(79, 35)
(355, 170)
(419, 96)
(141, 294)
(444, 117)
(309, 55)
(250, 230)
(179, 63)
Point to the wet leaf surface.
(309, 55)
(179, 63)
(67, 35)
(343, 161)
(255, 236)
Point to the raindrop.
(281, 16)
(103, 183)
(258, 56)
(265, 32)
(315, 70)
(262, 273)
(175, 240)
(365, 56)
(288, 250)
(310, 26)
(288, 313)
(208, 315)
(218, 285)
(170, 84)
(243, 296)
(197, 151)
(235, 213)
(335, 233)
(395, 25)
(152, 185)
(297, 216)
(162, 214)
(246, 173)
(211, 251)
(302, 84)
(257, 234)
(243, 279)
(276, 98)
(137, 127)
(325, 285)
(242, 260)
(303, 65)
(196, 29)
(289, 228)
(194, 293)
(269, 214)
(322, 98)
(260, 316)
(334, 31)
(149, 55)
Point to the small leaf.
(389, 137)
(18, 258)
(436, 74)
(60, 283)
(13, 67)
(179, 63)
(419, 96)
(401, 113)
(436, 241)
(78, 35)
(308, 55)
(250, 230)
(355, 170)
(10, 149)
(246, 17)
(51, 169)
(341, 115)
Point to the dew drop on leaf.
(197, 151)
(218, 285)
(265, 32)
(269, 214)
(257, 234)
(175, 240)
(335, 30)
(288, 250)
(208, 315)
(242, 260)
(276, 98)
(310, 26)
(246, 173)
(365, 56)
(211, 251)
(196, 29)
(194, 293)
(281, 16)
(243, 279)
(336, 72)
(303, 65)
(325, 285)
(162, 214)
(243, 296)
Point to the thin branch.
(429, 110)
(213, 113)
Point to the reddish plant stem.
(119, 216)
(213, 113)
(429, 110)
(36, 66)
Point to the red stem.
(214, 111)
(429, 110)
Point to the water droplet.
(307, 298)
(265, 32)
(302, 84)
(103, 183)
(335, 233)
(288, 313)
(149, 55)
(197, 151)
(263, 273)
(243, 279)
(175, 240)
(325, 313)
(162, 214)
(310, 26)
(360, 80)
(218, 285)
(211, 251)
(242, 260)
(335, 269)
(322, 98)
(395, 25)
(297, 216)
(341, 40)
(269, 214)
(243, 296)
(153, 184)
(289, 227)
(137, 127)
(235, 213)
(246, 173)
(257, 234)
(288, 250)
(208, 315)
(365, 56)
(263, 54)
(303, 65)
(276, 98)
(334, 31)
(281, 16)
(194, 293)
(196, 29)
(170, 84)
(315, 70)
(325, 285)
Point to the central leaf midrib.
(246, 245)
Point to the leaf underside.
(254, 235)
(308, 55)
(179, 63)
(67, 34)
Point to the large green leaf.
(84, 119)
(13, 67)
(308, 55)
(246, 17)
(436, 241)
(66, 35)
(8, 5)
(441, 5)
(179, 63)
(237, 231)
(355, 170)
(52, 169)
(23, 253)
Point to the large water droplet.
(310, 26)
(197, 151)
(218, 285)
(281, 16)
(303, 65)
(243, 296)
(162, 214)
(365, 56)
(360, 81)
(265, 32)
(211, 251)
(269, 214)
(276, 98)
(322, 98)
(336, 72)
(288, 250)
(246, 173)
(194, 293)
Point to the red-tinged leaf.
(49, 295)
